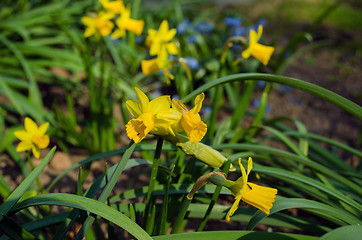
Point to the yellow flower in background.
(191, 122)
(98, 24)
(160, 41)
(154, 116)
(253, 194)
(116, 7)
(155, 65)
(257, 50)
(32, 137)
(125, 22)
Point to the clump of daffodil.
(32, 137)
(253, 194)
(257, 50)
(156, 116)
(99, 24)
(161, 46)
(125, 22)
(190, 121)
(116, 7)
(258, 196)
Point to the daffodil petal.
(250, 165)
(179, 106)
(24, 146)
(198, 103)
(259, 196)
(143, 100)
(22, 135)
(149, 66)
(43, 128)
(36, 151)
(233, 208)
(161, 103)
(172, 48)
(30, 126)
(134, 108)
(135, 26)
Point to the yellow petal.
(233, 208)
(88, 21)
(172, 48)
(149, 66)
(194, 127)
(40, 141)
(23, 135)
(198, 103)
(24, 146)
(161, 103)
(250, 166)
(262, 52)
(179, 106)
(259, 196)
(243, 174)
(137, 129)
(163, 27)
(135, 26)
(43, 128)
(173, 118)
(246, 53)
(143, 100)
(30, 126)
(118, 33)
(134, 108)
(89, 32)
(36, 151)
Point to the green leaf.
(233, 235)
(352, 232)
(320, 92)
(83, 203)
(13, 230)
(286, 203)
(20, 190)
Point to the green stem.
(177, 226)
(215, 196)
(151, 186)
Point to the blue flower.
(232, 22)
(192, 63)
(204, 27)
(183, 27)
(240, 31)
(191, 39)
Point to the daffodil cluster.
(161, 46)
(114, 14)
(161, 116)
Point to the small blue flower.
(240, 31)
(232, 22)
(262, 22)
(204, 27)
(285, 88)
(139, 39)
(192, 63)
(260, 84)
(294, 101)
(183, 26)
(191, 39)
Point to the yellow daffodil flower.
(32, 137)
(257, 50)
(154, 116)
(116, 7)
(160, 42)
(155, 65)
(98, 24)
(190, 119)
(253, 194)
(125, 22)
